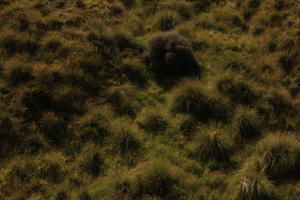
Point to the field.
(150, 99)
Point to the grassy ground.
(150, 99)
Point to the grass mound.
(280, 157)
(250, 186)
(191, 99)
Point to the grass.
(149, 99)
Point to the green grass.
(149, 99)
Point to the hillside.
(150, 99)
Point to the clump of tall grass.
(190, 98)
(279, 157)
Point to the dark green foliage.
(136, 74)
(166, 20)
(211, 146)
(20, 74)
(93, 165)
(238, 91)
(125, 41)
(190, 99)
(171, 56)
(286, 62)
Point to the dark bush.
(170, 57)
(19, 74)
(286, 62)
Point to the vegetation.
(149, 99)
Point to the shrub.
(93, 164)
(247, 126)
(153, 121)
(170, 56)
(190, 99)
(211, 146)
(279, 157)
(238, 91)
(166, 20)
(19, 74)
(251, 186)
(286, 62)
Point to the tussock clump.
(54, 128)
(154, 179)
(170, 56)
(62, 195)
(211, 146)
(188, 126)
(238, 91)
(184, 8)
(122, 102)
(126, 141)
(247, 125)
(93, 164)
(190, 99)
(152, 120)
(19, 74)
(166, 20)
(279, 157)
(94, 126)
(252, 186)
